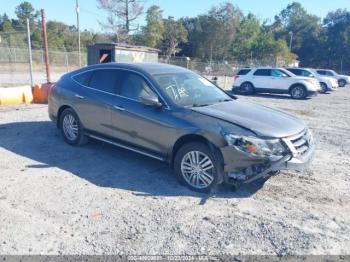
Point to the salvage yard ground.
(98, 199)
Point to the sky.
(90, 15)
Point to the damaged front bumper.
(257, 168)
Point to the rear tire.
(72, 129)
(197, 167)
(298, 92)
(247, 88)
(324, 88)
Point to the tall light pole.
(78, 27)
(290, 41)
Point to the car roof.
(150, 68)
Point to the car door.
(279, 81)
(139, 125)
(261, 79)
(96, 99)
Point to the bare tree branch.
(122, 15)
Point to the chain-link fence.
(15, 70)
(14, 65)
(14, 60)
(221, 72)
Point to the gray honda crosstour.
(174, 115)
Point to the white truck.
(274, 80)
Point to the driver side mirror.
(150, 101)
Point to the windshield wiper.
(225, 100)
(200, 105)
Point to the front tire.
(72, 129)
(298, 92)
(197, 167)
(342, 83)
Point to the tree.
(253, 42)
(153, 31)
(247, 35)
(122, 15)
(174, 34)
(337, 42)
(214, 31)
(26, 11)
(305, 28)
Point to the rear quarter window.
(295, 71)
(83, 78)
(243, 72)
(262, 72)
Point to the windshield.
(314, 72)
(189, 89)
(308, 73)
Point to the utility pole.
(45, 46)
(30, 55)
(78, 27)
(290, 41)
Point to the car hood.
(263, 121)
(344, 76)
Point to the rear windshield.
(243, 72)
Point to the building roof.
(121, 46)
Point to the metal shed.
(112, 52)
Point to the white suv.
(343, 80)
(327, 83)
(274, 80)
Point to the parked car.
(343, 80)
(274, 80)
(174, 115)
(326, 83)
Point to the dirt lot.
(98, 199)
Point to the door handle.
(120, 108)
(79, 96)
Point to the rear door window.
(262, 72)
(105, 80)
(321, 72)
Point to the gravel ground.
(98, 199)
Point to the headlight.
(312, 81)
(256, 146)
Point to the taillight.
(236, 77)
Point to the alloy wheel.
(197, 169)
(70, 127)
(298, 92)
(246, 88)
(323, 88)
(342, 83)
